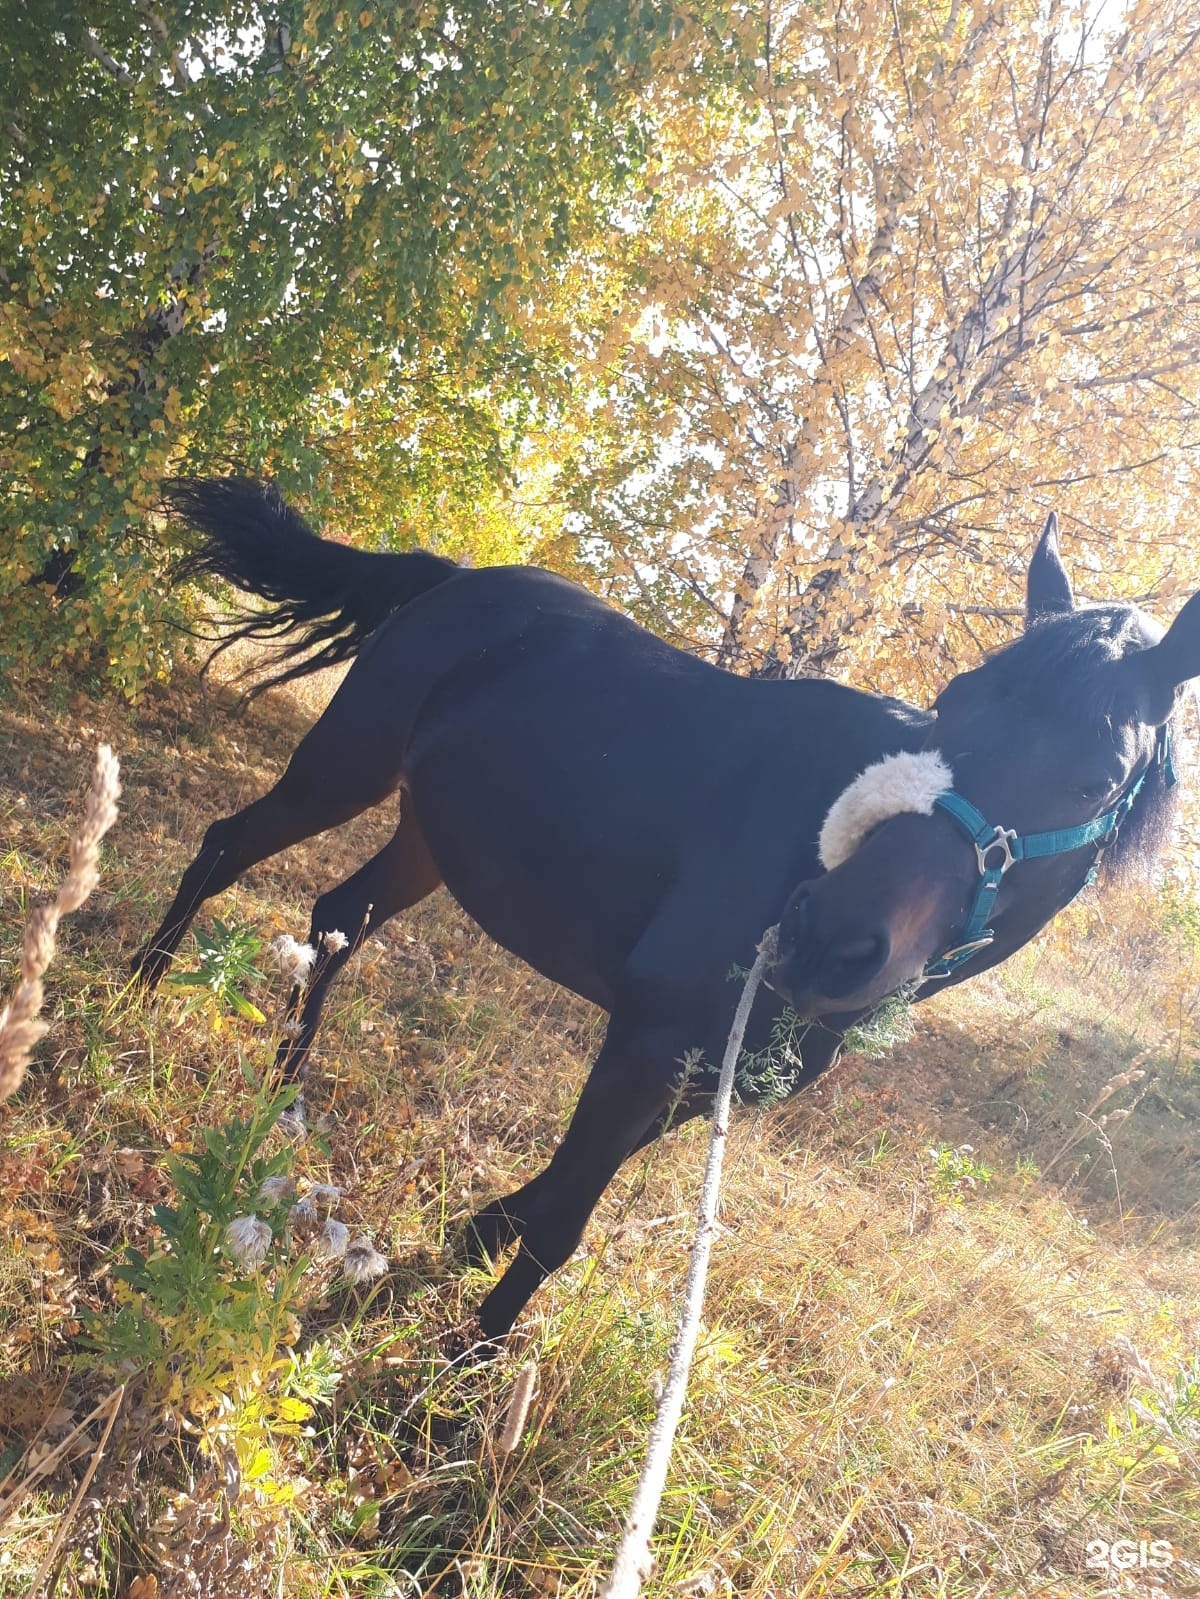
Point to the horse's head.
(953, 856)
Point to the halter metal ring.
(1003, 839)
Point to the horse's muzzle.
(819, 970)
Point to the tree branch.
(113, 68)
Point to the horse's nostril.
(793, 924)
(851, 961)
(858, 950)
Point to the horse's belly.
(532, 940)
(571, 900)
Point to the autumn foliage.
(785, 324)
(927, 276)
(297, 241)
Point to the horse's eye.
(1093, 793)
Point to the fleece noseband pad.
(905, 782)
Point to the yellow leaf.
(293, 1410)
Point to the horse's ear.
(1048, 588)
(1174, 661)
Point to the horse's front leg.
(501, 1222)
(633, 1081)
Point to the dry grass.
(912, 1380)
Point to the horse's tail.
(326, 599)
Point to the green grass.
(951, 1331)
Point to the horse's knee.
(551, 1237)
(499, 1224)
(488, 1234)
(216, 863)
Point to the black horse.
(628, 820)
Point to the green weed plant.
(205, 1338)
(226, 967)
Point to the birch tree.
(934, 273)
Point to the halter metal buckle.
(953, 958)
(1003, 839)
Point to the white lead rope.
(634, 1561)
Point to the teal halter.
(998, 848)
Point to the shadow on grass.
(1045, 1080)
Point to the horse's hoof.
(292, 1122)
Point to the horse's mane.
(1064, 650)
(1146, 831)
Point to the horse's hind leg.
(399, 876)
(337, 771)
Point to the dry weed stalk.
(113, 1406)
(21, 1024)
(1114, 1085)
